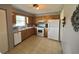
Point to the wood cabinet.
(23, 34)
(46, 32)
(46, 18)
(31, 20)
(13, 18)
(27, 33)
(35, 31)
(31, 31)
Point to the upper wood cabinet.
(46, 18)
(31, 20)
(13, 18)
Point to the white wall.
(70, 38)
(9, 10)
(61, 25)
(3, 32)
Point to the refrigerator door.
(53, 29)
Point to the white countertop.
(20, 29)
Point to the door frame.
(6, 26)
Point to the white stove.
(40, 28)
(40, 31)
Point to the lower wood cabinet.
(23, 34)
(27, 33)
(46, 33)
(35, 31)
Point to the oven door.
(40, 32)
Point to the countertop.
(21, 29)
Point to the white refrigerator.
(53, 29)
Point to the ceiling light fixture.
(36, 6)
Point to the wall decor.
(64, 21)
(75, 19)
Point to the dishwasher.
(17, 38)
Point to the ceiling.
(44, 8)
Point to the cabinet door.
(46, 33)
(33, 31)
(27, 33)
(13, 18)
(23, 34)
(30, 20)
(30, 32)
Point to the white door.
(53, 29)
(3, 32)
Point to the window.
(20, 20)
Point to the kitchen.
(25, 24)
(23, 32)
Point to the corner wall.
(70, 38)
(9, 23)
